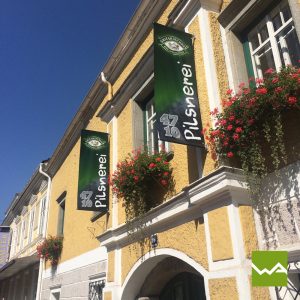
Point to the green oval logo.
(94, 142)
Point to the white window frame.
(271, 40)
(55, 291)
(22, 235)
(42, 214)
(150, 123)
(13, 241)
(61, 216)
(31, 224)
(96, 278)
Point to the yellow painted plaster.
(218, 54)
(190, 239)
(111, 150)
(111, 266)
(209, 164)
(125, 144)
(220, 237)
(259, 292)
(77, 224)
(143, 48)
(223, 288)
(248, 228)
(179, 164)
(107, 295)
(225, 4)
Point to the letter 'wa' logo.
(269, 268)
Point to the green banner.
(93, 188)
(175, 89)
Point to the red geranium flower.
(261, 91)
(164, 182)
(230, 154)
(292, 100)
(152, 165)
(236, 136)
(269, 71)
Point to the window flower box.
(254, 128)
(50, 249)
(142, 180)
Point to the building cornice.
(179, 17)
(138, 27)
(240, 13)
(137, 77)
(22, 199)
(224, 185)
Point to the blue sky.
(50, 54)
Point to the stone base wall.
(72, 284)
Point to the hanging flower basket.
(50, 249)
(142, 180)
(254, 129)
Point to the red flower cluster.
(134, 173)
(50, 249)
(243, 112)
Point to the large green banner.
(175, 89)
(93, 188)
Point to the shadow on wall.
(280, 209)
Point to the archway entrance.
(164, 277)
(184, 286)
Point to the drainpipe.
(41, 268)
(110, 89)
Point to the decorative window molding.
(42, 214)
(96, 286)
(43, 186)
(33, 199)
(273, 42)
(24, 210)
(244, 12)
(55, 292)
(61, 214)
(237, 20)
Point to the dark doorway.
(184, 286)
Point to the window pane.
(264, 33)
(152, 134)
(289, 47)
(286, 13)
(277, 21)
(264, 59)
(253, 39)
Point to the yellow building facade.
(26, 218)
(205, 233)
